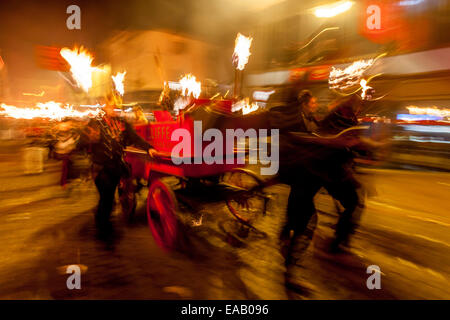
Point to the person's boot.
(104, 227)
(340, 246)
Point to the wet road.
(43, 229)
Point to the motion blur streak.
(358, 90)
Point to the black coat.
(305, 153)
(113, 136)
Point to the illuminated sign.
(418, 117)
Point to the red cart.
(169, 183)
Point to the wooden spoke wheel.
(248, 203)
(162, 209)
(127, 198)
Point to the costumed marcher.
(308, 163)
(106, 139)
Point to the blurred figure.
(167, 99)
(308, 107)
(295, 116)
(139, 116)
(64, 137)
(309, 162)
(106, 138)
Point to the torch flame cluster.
(190, 85)
(242, 51)
(48, 110)
(80, 61)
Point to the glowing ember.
(118, 81)
(242, 51)
(48, 110)
(190, 85)
(431, 111)
(350, 76)
(245, 106)
(80, 61)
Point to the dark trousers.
(66, 167)
(106, 182)
(342, 186)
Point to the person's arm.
(368, 144)
(134, 139)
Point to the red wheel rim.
(161, 208)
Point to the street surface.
(405, 230)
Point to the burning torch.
(240, 58)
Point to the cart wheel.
(127, 197)
(249, 203)
(161, 212)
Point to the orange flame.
(190, 85)
(245, 106)
(242, 51)
(80, 61)
(48, 110)
(118, 82)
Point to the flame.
(245, 106)
(431, 111)
(249, 108)
(48, 110)
(242, 51)
(80, 61)
(364, 88)
(190, 85)
(118, 82)
(350, 76)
